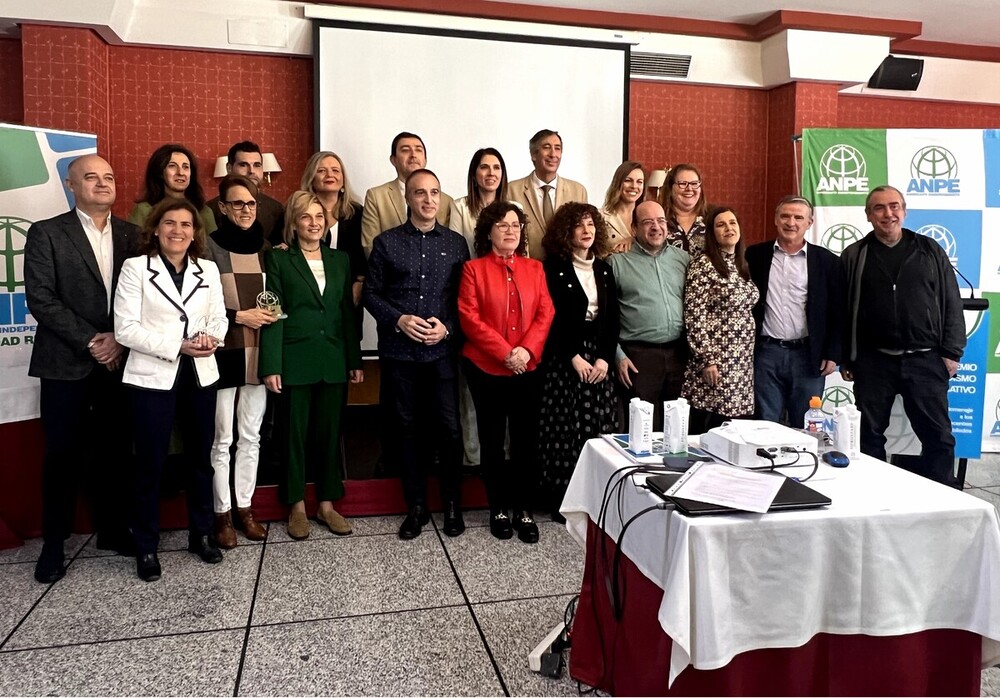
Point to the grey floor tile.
(989, 494)
(983, 472)
(414, 653)
(202, 664)
(497, 570)
(101, 598)
(32, 548)
(362, 525)
(512, 629)
(353, 575)
(990, 684)
(20, 592)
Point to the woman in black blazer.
(578, 400)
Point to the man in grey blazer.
(71, 266)
(542, 192)
(385, 207)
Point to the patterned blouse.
(720, 330)
(692, 241)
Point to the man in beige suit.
(384, 204)
(542, 192)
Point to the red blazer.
(483, 311)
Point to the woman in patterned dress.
(578, 401)
(683, 199)
(718, 300)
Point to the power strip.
(535, 656)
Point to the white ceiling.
(954, 21)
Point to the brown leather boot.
(252, 529)
(225, 534)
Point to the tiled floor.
(362, 615)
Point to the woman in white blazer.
(170, 314)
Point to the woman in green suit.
(308, 358)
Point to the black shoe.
(558, 518)
(527, 530)
(148, 567)
(414, 523)
(500, 525)
(205, 548)
(453, 523)
(50, 567)
(121, 542)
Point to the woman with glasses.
(578, 399)
(238, 248)
(172, 172)
(718, 317)
(505, 311)
(626, 190)
(486, 182)
(683, 198)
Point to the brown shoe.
(251, 529)
(337, 524)
(225, 534)
(298, 525)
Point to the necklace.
(306, 249)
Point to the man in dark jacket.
(905, 332)
(799, 315)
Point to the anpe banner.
(33, 165)
(950, 179)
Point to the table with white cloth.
(896, 557)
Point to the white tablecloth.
(894, 554)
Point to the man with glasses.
(652, 353)
(905, 333)
(542, 192)
(799, 315)
(245, 159)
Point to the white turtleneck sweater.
(585, 273)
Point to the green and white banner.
(951, 181)
(33, 165)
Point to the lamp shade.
(656, 178)
(220, 167)
(271, 163)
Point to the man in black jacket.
(799, 315)
(906, 332)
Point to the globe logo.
(899, 436)
(843, 160)
(13, 232)
(933, 162)
(838, 237)
(941, 236)
(836, 396)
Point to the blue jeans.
(784, 379)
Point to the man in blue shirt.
(412, 291)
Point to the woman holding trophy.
(308, 357)
(238, 248)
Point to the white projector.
(738, 441)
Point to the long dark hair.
(714, 252)
(494, 213)
(155, 188)
(475, 198)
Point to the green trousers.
(311, 427)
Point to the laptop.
(792, 495)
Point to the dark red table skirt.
(632, 657)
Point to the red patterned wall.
(722, 130)
(857, 111)
(11, 82)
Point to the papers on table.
(728, 486)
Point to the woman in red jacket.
(505, 311)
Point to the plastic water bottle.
(815, 419)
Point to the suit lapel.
(529, 196)
(194, 280)
(120, 242)
(75, 232)
(302, 266)
(159, 278)
(332, 278)
(398, 205)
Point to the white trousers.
(249, 412)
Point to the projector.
(737, 442)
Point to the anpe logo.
(13, 304)
(838, 238)
(995, 431)
(843, 170)
(836, 396)
(943, 237)
(934, 170)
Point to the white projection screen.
(463, 91)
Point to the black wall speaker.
(898, 74)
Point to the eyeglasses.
(238, 205)
(650, 222)
(694, 186)
(507, 227)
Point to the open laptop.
(792, 495)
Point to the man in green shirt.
(652, 351)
